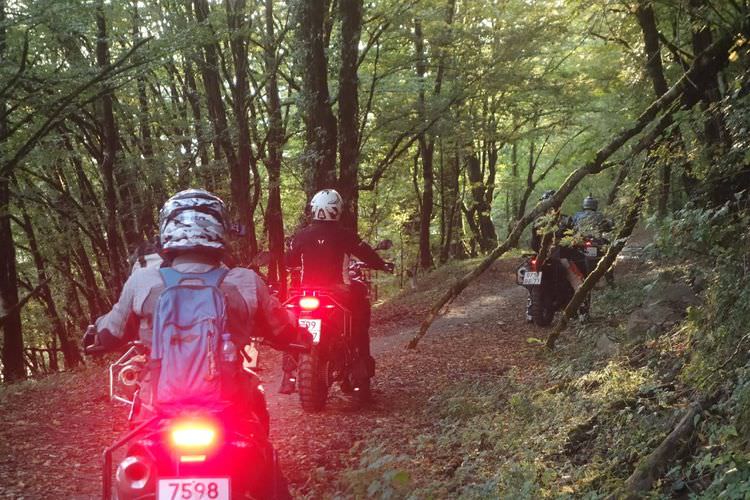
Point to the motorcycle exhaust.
(133, 475)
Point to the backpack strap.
(173, 277)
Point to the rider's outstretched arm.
(364, 252)
(111, 328)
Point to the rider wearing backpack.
(224, 305)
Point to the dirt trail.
(52, 432)
(482, 335)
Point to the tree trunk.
(274, 216)
(647, 20)
(76, 318)
(479, 206)
(319, 157)
(10, 315)
(238, 160)
(652, 466)
(426, 149)
(451, 206)
(205, 172)
(513, 197)
(154, 193)
(426, 139)
(622, 174)
(107, 165)
(348, 126)
(240, 171)
(69, 348)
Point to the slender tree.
(275, 143)
(319, 156)
(350, 12)
(10, 313)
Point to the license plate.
(194, 488)
(532, 278)
(592, 252)
(313, 326)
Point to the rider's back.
(244, 295)
(320, 249)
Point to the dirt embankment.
(52, 432)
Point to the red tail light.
(589, 243)
(532, 264)
(193, 438)
(309, 303)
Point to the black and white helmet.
(326, 205)
(193, 219)
(590, 203)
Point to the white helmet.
(193, 219)
(326, 205)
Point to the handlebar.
(358, 265)
(291, 348)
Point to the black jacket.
(319, 249)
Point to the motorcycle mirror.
(384, 245)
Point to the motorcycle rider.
(321, 250)
(590, 223)
(193, 225)
(568, 257)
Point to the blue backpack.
(189, 320)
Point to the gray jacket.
(251, 309)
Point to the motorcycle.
(187, 451)
(548, 286)
(333, 356)
(594, 249)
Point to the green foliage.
(716, 240)
(379, 475)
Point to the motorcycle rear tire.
(313, 386)
(542, 312)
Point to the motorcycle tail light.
(309, 303)
(193, 435)
(589, 243)
(532, 263)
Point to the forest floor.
(52, 431)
